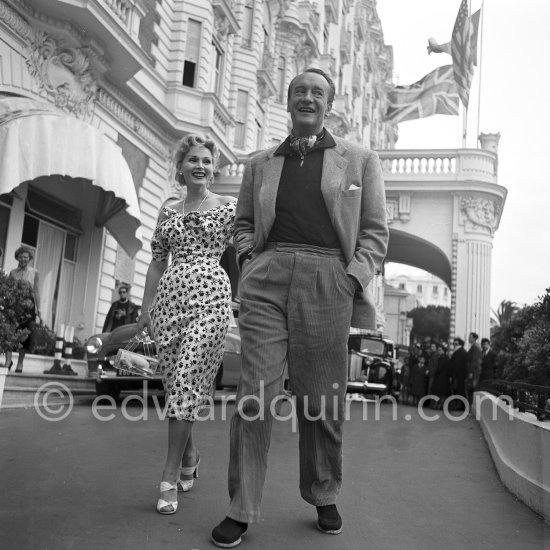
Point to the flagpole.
(465, 109)
(464, 126)
(480, 67)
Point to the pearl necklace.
(198, 207)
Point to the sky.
(513, 100)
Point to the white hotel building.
(93, 95)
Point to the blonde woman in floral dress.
(187, 305)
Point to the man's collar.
(325, 143)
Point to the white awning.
(38, 140)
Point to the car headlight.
(94, 345)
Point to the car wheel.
(219, 375)
(111, 390)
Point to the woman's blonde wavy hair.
(185, 143)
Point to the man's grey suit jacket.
(353, 190)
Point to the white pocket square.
(353, 187)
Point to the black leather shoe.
(229, 533)
(329, 520)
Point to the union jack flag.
(461, 51)
(435, 94)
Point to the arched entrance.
(444, 207)
(61, 182)
(415, 251)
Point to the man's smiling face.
(308, 103)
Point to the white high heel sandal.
(185, 485)
(167, 506)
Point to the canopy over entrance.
(37, 140)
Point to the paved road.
(85, 484)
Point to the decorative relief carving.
(337, 126)
(303, 54)
(268, 62)
(16, 22)
(63, 72)
(289, 40)
(221, 27)
(264, 90)
(398, 209)
(480, 213)
(265, 76)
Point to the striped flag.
(474, 21)
(434, 47)
(435, 94)
(461, 51)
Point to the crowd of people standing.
(439, 371)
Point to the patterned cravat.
(303, 145)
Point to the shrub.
(431, 322)
(523, 344)
(16, 303)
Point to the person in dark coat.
(406, 371)
(441, 386)
(431, 361)
(473, 366)
(488, 361)
(419, 379)
(122, 311)
(459, 360)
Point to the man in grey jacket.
(311, 232)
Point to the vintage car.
(371, 364)
(102, 349)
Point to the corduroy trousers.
(296, 306)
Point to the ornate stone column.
(477, 218)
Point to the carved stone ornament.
(337, 126)
(63, 72)
(480, 213)
(303, 54)
(264, 91)
(221, 27)
(398, 209)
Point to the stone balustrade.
(234, 170)
(440, 164)
(215, 115)
(414, 165)
(127, 12)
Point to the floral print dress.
(192, 307)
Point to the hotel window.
(260, 116)
(51, 228)
(281, 69)
(248, 23)
(259, 135)
(435, 290)
(217, 69)
(240, 118)
(266, 25)
(418, 289)
(192, 50)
